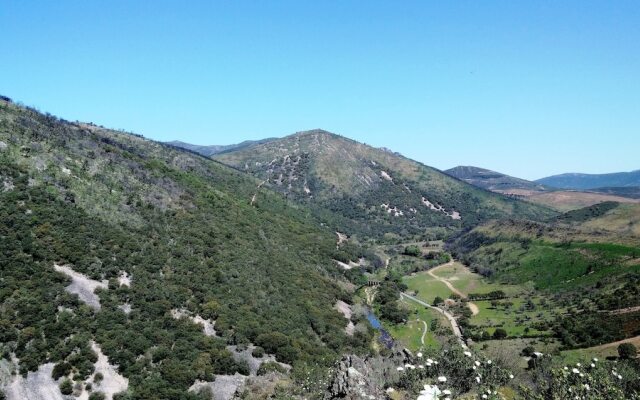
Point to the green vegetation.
(183, 227)
(627, 351)
(370, 192)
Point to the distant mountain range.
(210, 150)
(593, 181)
(543, 193)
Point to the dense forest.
(183, 228)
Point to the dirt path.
(635, 340)
(624, 310)
(255, 195)
(454, 324)
(473, 307)
(424, 333)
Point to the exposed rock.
(82, 286)
(124, 279)
(358, 378)
(208, 326)
(254, 363)
(38, 385)
(224, 387)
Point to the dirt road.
(473, 307)
(454, 324)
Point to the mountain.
(534, 192)
(188, 271)
(495, 181)
(373, 191)
(208, 151)
(592, 181)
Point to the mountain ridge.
(362, 183)
(576, 180)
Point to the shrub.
(66, 387)
(97, 396)
(627, 351)
(500, 334)
(257, 352)
(413, 251)
(271, 366)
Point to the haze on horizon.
(525, 89)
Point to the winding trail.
(454, 324)
(473, 307)
(424, 333)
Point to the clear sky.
(529, 88)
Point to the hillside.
(210, 150)
(374, 190)
(567, 200)
(167, 237)
(495, 181)
(587, 257)
(592, 181)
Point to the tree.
(413, 251)
(437, 300)
(627, 351)
(499, 334)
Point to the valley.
(138, 270)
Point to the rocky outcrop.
(358, 378)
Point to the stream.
(385, 337)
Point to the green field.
(460, 277)
(410, 333)
(515, 319)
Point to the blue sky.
(526, 88)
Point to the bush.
(98, 377)
(97, 396)
(438, 300)
(258, 352)
(271, 366)
(413, 251)
(528, 351)
(66, 387)
(500, 334)
(627, 351)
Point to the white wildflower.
(510, 376)
(419, 355)
(446, 391)
(477, 363)
(467, 353)
(442, 379)
(575, 371)
(489, 362)
(400, 369)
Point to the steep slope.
(495, 181)
(374, 190)
(177, 239)
(210, 150)
(592, 181)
